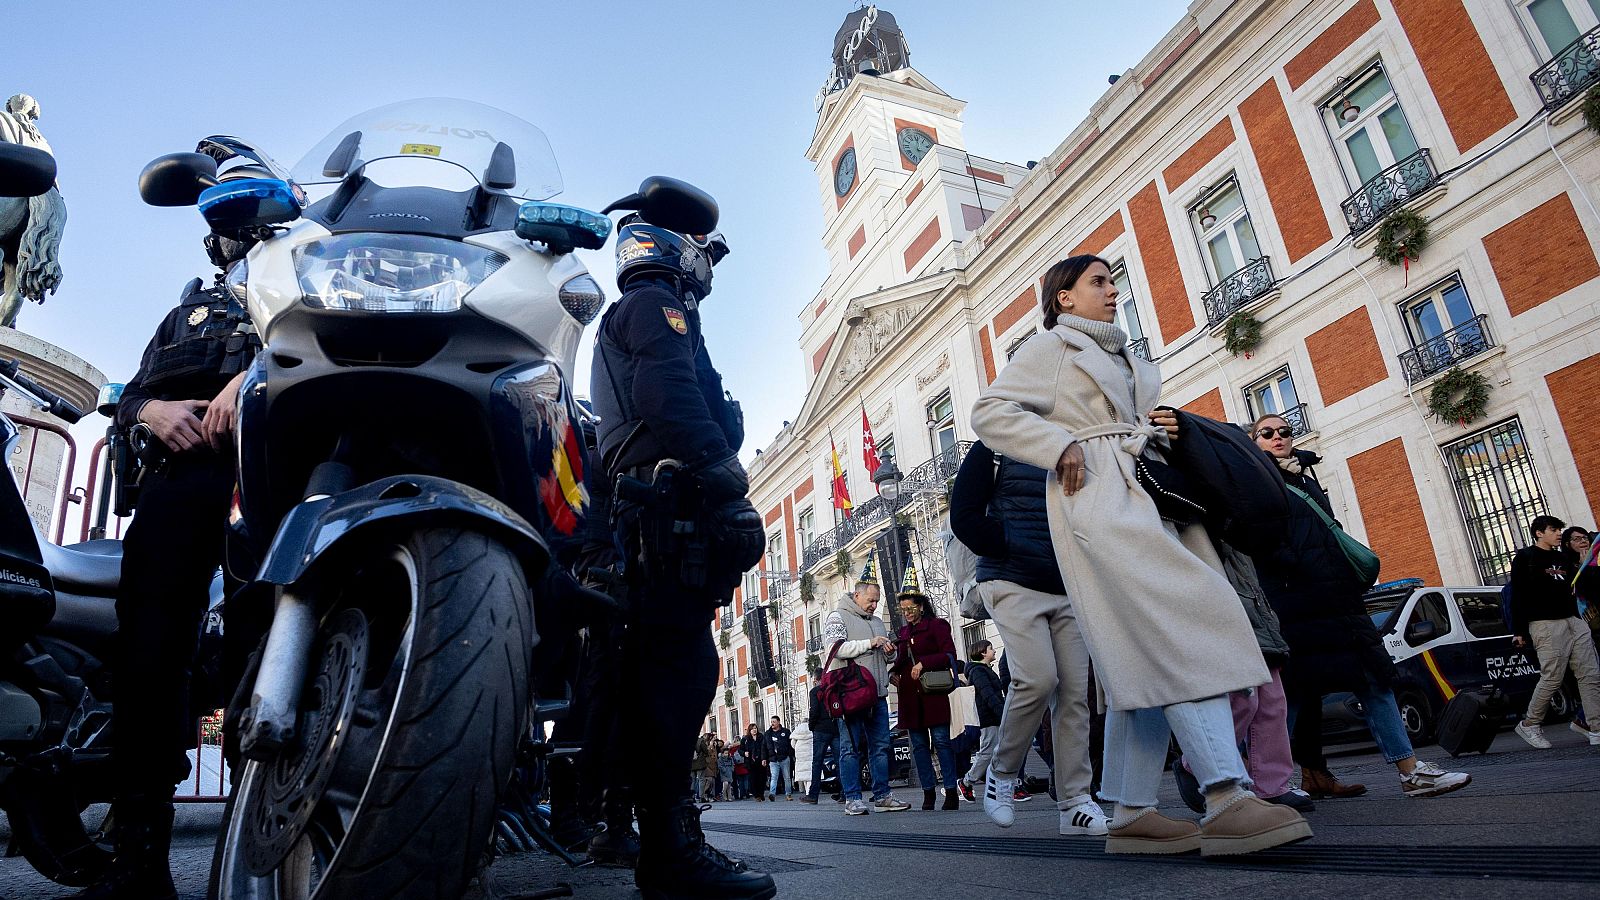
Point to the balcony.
(727, 681)
(1448, 349)
(1573, 71)
(1238, 290)
(931, 475)
(1389, 190)
(814, 644)
(1140, 348)
(727, 619)
(1298, 419)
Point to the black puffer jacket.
(1333, 645)
(987, 696)
(1003, 519)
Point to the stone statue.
(30, 227)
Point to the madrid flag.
(869, 446)
(841, 490)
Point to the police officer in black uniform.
(183, 401)
(659, 398)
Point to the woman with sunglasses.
(1333, 645)
(925, 644)
(1163, 625)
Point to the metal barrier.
(65, 482)
(207, 747)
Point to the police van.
(1443, 640)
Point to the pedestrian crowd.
(1153, 575)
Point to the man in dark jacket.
(824, 740)
(1545, 614)
(991, 702)
(779, 748)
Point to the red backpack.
(849, 691)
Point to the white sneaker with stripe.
(1083, 817)
(999, 799)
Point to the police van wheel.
(406, 806)
(1417, 719)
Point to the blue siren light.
(562, 228)
(251, 201)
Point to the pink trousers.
(1261, 726)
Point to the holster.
(674, 542)
(127, 466)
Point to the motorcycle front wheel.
(409, 724)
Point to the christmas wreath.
(1459, 396)
(808, 588)
(1401, 238)
(1591, 108)
(727, 697)
(1241, 334)
(754, 689)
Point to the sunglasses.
(1283, 431)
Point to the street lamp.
(888, 479)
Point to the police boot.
(618, 845)
(676, 863)
(139, 870)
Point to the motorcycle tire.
(408, 803)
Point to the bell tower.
(877, 118)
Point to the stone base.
(38, 456)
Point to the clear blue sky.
(719, 93)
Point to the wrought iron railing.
(1571, 72)
(931, 475)
(727, 681)
(727, 619)
(1140, 348)
(1437, 354)
(1389, 190)
(814, 644)
(1298, 419)
(1237, 290)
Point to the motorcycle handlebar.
(46, 399)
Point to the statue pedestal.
(39, 456)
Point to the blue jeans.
(784, 768)
(822, 744)
(871, 730)
(1136, 748)
(924, 759)
(1382, 713)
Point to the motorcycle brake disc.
(293, 783)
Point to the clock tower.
(877, 119)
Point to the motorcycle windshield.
(430, 133)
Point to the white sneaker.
(1593, 736)
(857, 808)
(1428, 780)
(890, 803)
(999, 799)
(1083, 817)
(1534, 735)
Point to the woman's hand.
(916, 672)
(1070, 469)
(1165, 418)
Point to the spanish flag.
(841, 490)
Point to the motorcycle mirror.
(671, 204)
(25, 171)
(177, 179)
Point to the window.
(1481, 611)
(711, 724)
(727, 672)
(1221, 222)
(1430, 608)
(1127, 309)
(733, 723)
(1011, 348)
(1369, 130)
(1276, 394)
(760, 717)
(971, 633)
(1558, 23)
(775, 560)
(806, 527)
(814, 628)
(886, 450)
(752, 589)
(942, 423)
(1443, 329)
(1498, 493)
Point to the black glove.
(737, 536)
(725, 480)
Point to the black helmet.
(643, 248)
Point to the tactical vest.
(213, 340)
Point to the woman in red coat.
(925, 645)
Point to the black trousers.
(170, 553)
(668, 652)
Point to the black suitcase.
(1470, 721)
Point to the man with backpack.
(1545, 614)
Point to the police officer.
(185, 398)
(659, 398)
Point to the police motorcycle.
(410, 465)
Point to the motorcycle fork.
(268, 725)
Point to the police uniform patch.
(676, 320)
(198, 316)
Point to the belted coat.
(1162, 623)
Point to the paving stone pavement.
(1527, 826)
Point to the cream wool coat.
(1162, 623)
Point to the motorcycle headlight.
(582, 298)
(403, 273)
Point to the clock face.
(915, 144)
(844, 174)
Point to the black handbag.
(1170, 489)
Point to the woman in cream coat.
(1167, 634)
